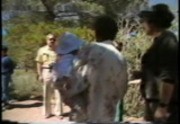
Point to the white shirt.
(110, 43)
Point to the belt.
(46, 68)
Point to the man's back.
(106, 74)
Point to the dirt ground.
(31, 111)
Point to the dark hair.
(4, 49)
(105, 27)
(160, 16)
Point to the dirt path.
(31, 111)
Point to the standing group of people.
(92, 78)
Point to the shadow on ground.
(39, 98)
(37, 104)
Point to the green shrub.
(133, 102)
(133, 47)
(25, 85)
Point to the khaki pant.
(48, 91)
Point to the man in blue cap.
(67, 50)
(7, 69)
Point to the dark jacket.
(160, 63)
(7, 65)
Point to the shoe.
(59, 116)
(48, 116)
(6, 103)
(3, 108)
(11, 101)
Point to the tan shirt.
(46, 56)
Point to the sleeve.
(168, 60)
(39, 56)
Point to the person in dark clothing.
(7, 68)
(160, 67)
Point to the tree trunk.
(49, 5)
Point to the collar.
(110, 42)
(48, 48)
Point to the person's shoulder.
(42, 49)
(169, 35)
(169, 41)
(7, 59)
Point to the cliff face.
(74, 9)
(66, 11)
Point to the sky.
(173, 4)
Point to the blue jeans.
(5, 80)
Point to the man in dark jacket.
(7, 68)
(160, 82)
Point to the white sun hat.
(68, 42)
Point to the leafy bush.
(25, 85)
(133, 102)
(133, 46)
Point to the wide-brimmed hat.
(68, 42)
(147, 13)
(160, 15)
(157, 12)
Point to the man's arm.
(168, 77)
(39, 64)
(39, 68)
(168, 73)
(165, 93)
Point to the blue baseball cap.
(68, 42)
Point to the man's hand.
(161, 114)
(40, 78)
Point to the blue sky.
(172, 3)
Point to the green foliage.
(133, 102)
(26, 38)
(25, 85)
(133, 47)
(91, 7)
(87, 11)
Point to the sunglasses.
(52, 39)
